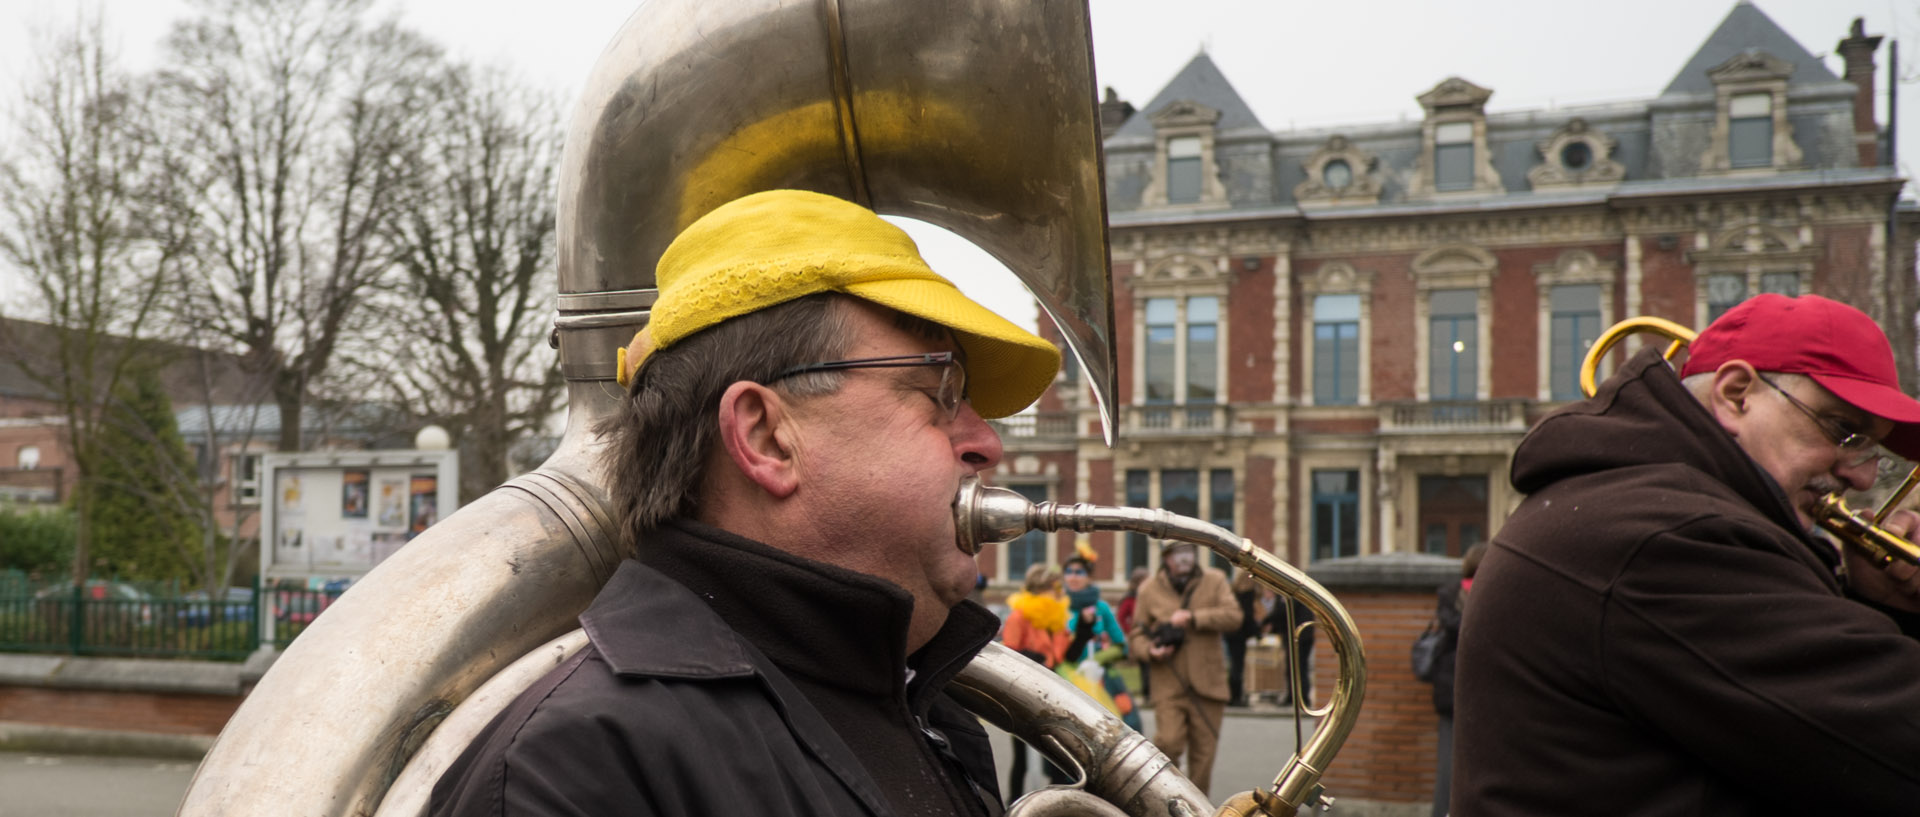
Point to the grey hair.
(659, 440)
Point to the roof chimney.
(1114, 112)
(1857, 52)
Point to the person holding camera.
(1179, 618)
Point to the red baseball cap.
(1838, 346)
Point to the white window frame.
(1453, 267)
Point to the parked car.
(301, 606)
(198, 609)
(129, 598)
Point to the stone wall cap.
(121, 674)
(1386, 571)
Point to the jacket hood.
(1643, 416)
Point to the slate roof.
(1656, 138)
(1747, 27)
(1200, 81)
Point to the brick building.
(1331, 340)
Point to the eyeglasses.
(951, 392)
(1074, 571)
(1863, 446)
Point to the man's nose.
(1859, 476)
(975, 440)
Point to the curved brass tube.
(987, 514)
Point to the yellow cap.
(772, 247)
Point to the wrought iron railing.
(117, 619)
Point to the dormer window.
(1453, 152)
(1750, 130)
(1183, 170)
(1187, 166)
(1453, 156)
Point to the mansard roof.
(1747, 28)
(1657, 142)
(1200, 81)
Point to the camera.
(1165, 634)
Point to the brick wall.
(1390, 756)
(167, 713)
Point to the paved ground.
(1253, 746)
(82, 786)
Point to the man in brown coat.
(1178, 619)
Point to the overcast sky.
(1298, 64)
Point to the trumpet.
(1832, 514)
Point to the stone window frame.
(1366, 184)
(1178, 119)
(1453, 266)
(1454, 100)
(1750, 72)
(1339, 278)
(1180, 276)
(1333, 460)
(1752, 249)
(1552, 171)
(1573, 267)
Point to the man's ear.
(756, 430)
(1728, 396)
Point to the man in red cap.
(1659, 629)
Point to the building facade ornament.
(1576, 155)
(1339, 173)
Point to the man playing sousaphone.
(1657, 630)
(800, 412)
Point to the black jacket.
(726, 677)
(1447, 612)
(1652, 633)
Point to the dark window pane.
(1781, 283)
(1576, 324)
(1160, 364)
(1453, 167)
(1336, 514)
(1576, 157)
(1031, 548)
(1723, 293)
(1183, 180)
(1203, 374)
(1750, 142)
(1180, 492)
(1453, 358)
(1139, 481)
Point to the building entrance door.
(1453, 513)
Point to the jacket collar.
(697, 591)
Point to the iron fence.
(104, 618)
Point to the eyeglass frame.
(948, 360)
(1855, 442)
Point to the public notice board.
(338, 514)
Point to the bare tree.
(476, 249)
(291, 120)
(77, 183)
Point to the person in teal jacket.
(1106, 641)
